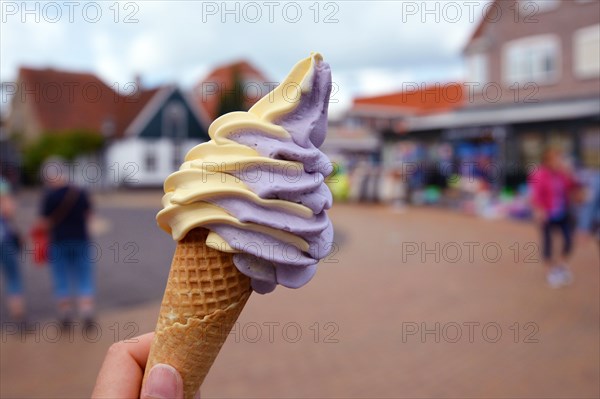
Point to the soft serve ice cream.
(258, 184)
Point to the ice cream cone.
(259, 218)
(204, 296)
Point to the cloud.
(372, 46)
(106, 60)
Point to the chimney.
(138, 83)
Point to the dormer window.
(174, 120)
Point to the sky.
(373, 47)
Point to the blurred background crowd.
(470, 145)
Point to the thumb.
(163, 382)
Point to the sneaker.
(567, 276)
(555, 278)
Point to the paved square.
(422, 303)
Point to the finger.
(163, 381)
(123, 368)
(139, 348)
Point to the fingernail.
(163, 382)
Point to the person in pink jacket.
(552, 188)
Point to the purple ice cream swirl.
(285, 132)
(274, 262)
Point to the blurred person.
(64, 213)
(9, 253)
(123, 370)
(588, 223)
(553, 188)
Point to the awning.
(521, 113)
(351, 139)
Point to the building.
(350, 145)
(156, 133)
(48, 101)
(240, 82)
(146, 132)
(533, 79)
(390, 114)
(545, 50)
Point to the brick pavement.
(349, 333)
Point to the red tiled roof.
(208, 91)
(65, 100)
(426, 100)
(131, 106)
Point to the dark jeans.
(71, 266)
(9, 263)
(564, 225)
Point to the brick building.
(533, 79)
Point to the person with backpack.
(65, 210)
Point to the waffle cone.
(204, 296)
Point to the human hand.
(123, 369)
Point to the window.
(174, 118)
(532, 59)
(150, 160)
(586, 52)
(477, 65)
(175, 127)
